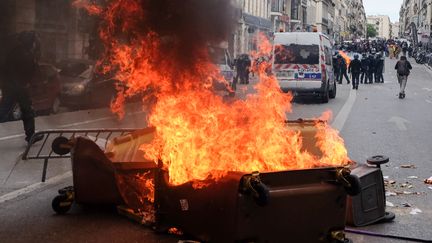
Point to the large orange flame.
(198, 134)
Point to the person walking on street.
(391, 51)
(19, 69)
(364, 69)
(371, 69)
(403, 67)
(335, 67)
(238, 64)
(355, 69)
(247, 67)
(404, 48)
(397, 51)
(342, 68)
(379, 63)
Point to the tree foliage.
(371, 31)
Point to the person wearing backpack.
(403, 67)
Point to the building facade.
(382, 24)
(415, 18)
(65, 31)
(395, 30)
(59, 27)
(255, 17)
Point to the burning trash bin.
(304, 205)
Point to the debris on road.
(407, 205)
(408, 166)
(415, 211)
(412, 177)
(389, 194)
(389, 182)
(389, 204)
(430, 187)
(428, 181)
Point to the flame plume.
(160, 47)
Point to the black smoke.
(185, 26)
(192, 24)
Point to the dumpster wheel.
(63, 202)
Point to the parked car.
(303, 64)
(83, 86)
(45, 92)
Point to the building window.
(294, 9)
(51, 11)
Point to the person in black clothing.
(335, 67)
(243, 64)
(404, 48)
(355, 69)
(403, 67)
(18, 72)
(364, 69)
(372, 69)
(410, 50)
(379, 62)
(342, 69)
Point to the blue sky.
(383, 7)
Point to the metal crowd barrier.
(43, 149)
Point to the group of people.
(390, 48)
(242, 65)
(367, 70)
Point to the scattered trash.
(428, 181)
(407, 205)
(389, 204)
(385, 177)
(408, 166)
(415, 211)
(407, 192)
(430, 187)
(410, 186)
(389, 182)
(412, 177)
(389, 194)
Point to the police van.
(302, 63)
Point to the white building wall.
(382, 24)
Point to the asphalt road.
(371, 120)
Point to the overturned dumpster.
(303, 205)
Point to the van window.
(328, 56)
(296, 54)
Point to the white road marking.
(86, 122)
(71, 125)
(12, 137)
(33, 187)
(343, 114)
(400, 122)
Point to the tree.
(371, 31)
